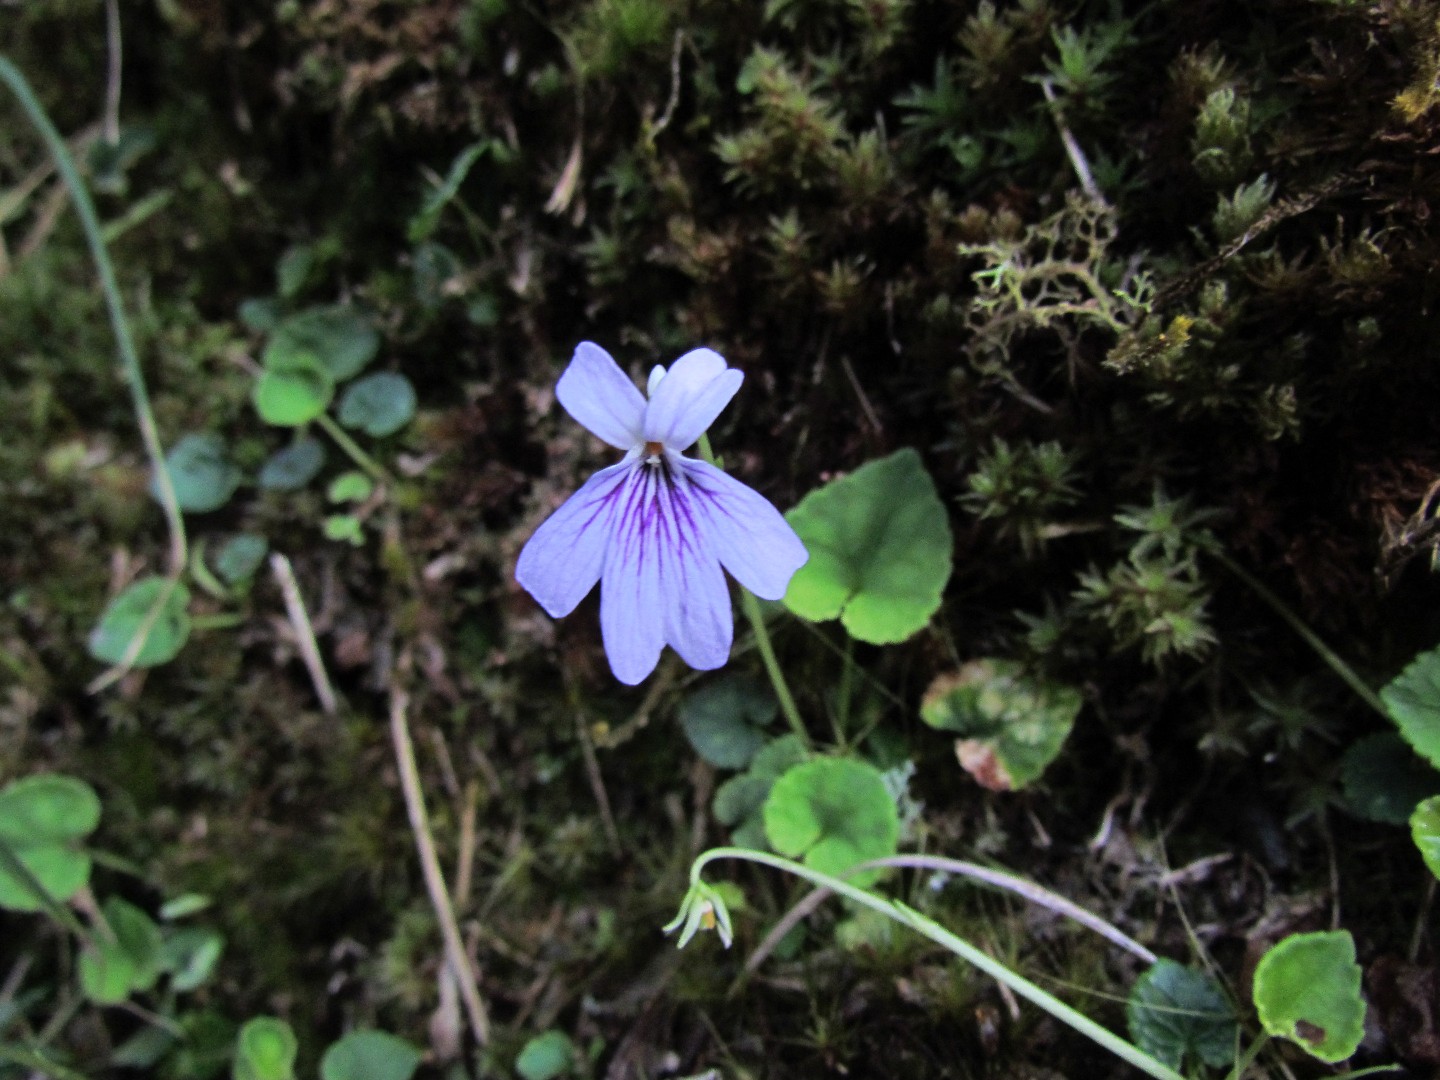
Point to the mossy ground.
(1241, 316)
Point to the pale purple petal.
(748, 535)
(561, 562)
(656, 374)
(632, 605)
(601, 397)
(698, 622)
(689, 397)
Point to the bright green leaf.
(1176, 1012)
(201, 473)
(127, 616)
(294, 391)
(339, 337)
(292, 467)
(546, 1056)
(42, 820)
(344, 527)
(240, 557)
(1425, 828)
(129, 961)
(265, 1050)
(739, 802)
(379, 404)
(1307, 989)
(1413, 701)
(1383, 779)
(880, 550)
(724, 721)
(370, 1055)
(353, 486)
(833, 812)
(1011, 725)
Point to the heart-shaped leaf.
(379, 404)
(739, 802)
(293, 391)
(265, 1050)
(240, 557)
(1413, 701)
(833, 812)
(1307, 989)
(201, 473)
(725, 721)
(1011, 724)
(546, 1056)
(43, 818)
(128, 615)
(292, 467)
(1176, 1012)
(339, 337)
(370, 1055)
(880, 550)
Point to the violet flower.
(656, 528)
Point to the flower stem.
(907, 915)
(134, 376)
(374, 469)
(1331, 658)
(751, 606)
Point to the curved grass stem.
(134, 376)
(1327, 654)
(926, 926)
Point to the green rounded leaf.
(240, 557)
(190, 956)
(293, 392)
(339, 337)
(835, 812)
(880, 550)
(127, 615)
(546, 1056)
(1425, 828)
(724, 721)
(121, 964)
(292, 467)
(353, 486)
(1307, 989)
(265, 1050)
(42, 820)
(1383, 780)
(1177, 1012)
(370, 1055)
(379, 404)
(1011, 724)
(201, 473)
(1413, 701)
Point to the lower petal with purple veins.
(698, 621)
(633, 605)
(564, 559)
(748, 535)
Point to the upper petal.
(632, 612)
(601, 397)
(689, 397)
(749, 536)
(561, 562)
